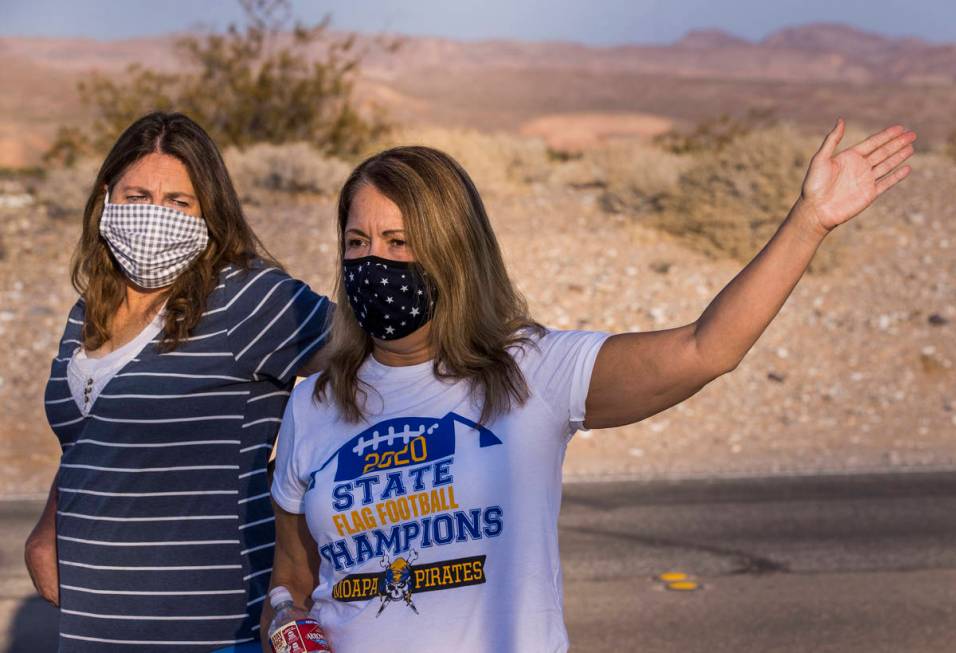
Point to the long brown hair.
(98, 277)
(478, 313)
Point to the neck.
(140, 300)
(413, 349)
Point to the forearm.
(301, 594)
(44, 532)
(295, 564)
(40, 554)
(734, 320)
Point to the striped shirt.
(165, 530)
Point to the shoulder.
(78, 310)
(556, 353)
(238, 280)
(303, 392)
(76, 316)
(311, 417)
(244, 288)
(549, 343)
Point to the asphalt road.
(812, 564)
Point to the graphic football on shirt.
(393, 500)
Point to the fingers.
(830, 143)
(887, 182)
(886, 151)
(892, 161)
(868, 146)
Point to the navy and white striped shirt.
(165, 529)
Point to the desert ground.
(855, 374)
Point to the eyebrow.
(146, 191)
(387, 232)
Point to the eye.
(398, 242)
(181, 203)
(354, 242)
(135, 198)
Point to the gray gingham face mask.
(152, 243)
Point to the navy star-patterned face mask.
(390, 299)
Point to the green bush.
(259, 83)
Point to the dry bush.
(950, 146)
(731, 201)
(496, 162)
(725, 196)
(633, 175)
(64, 190)
(716, 133)
(290, 168)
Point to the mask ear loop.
(106, 198)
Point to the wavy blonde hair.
(478, 313)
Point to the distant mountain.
(710, 38)
(802, 73)
(834, 37)
(813, 52)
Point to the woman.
(172, 373)
(420, 473)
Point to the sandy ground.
(855, 374)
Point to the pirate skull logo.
(395, 583)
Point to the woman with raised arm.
(171, 377)
(418, 477)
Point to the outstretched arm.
(637, 375)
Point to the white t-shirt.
(435, 535)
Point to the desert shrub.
(725, 199)
(273, 80)
(498, 162)
(290, 168)
(731, 201)
(715, 133)
(64, 190)
(950, 146)
(633, 176)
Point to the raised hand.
(839, 186)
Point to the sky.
(597, 22)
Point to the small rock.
(658, 314)
(776, 378)
(937, 320)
